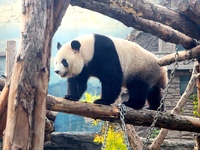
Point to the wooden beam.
(111, 113)
(10, 58)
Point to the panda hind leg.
(138, 93)
(154, 97)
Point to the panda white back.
(135, 60)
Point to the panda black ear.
(59, 45)
(75, 45)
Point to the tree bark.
(111, 113)
(134, 139)
(49, 128)
(51, 115)
(165, 33)
(29, 81)
(160, 14)
(3, 109)
(188, 8)
(182, 55)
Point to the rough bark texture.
(29, 81)
(3, 109)
(49, 128)
(134, 139)
(190, 9)
(111, 113)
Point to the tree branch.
(183, 55)
(60, 7)
(163, 32)
(160, 14)
(111, 113)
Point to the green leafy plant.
(195, 107)
(115, 137)
(90, 98)
(155, 133)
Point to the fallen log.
(111, 113)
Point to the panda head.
(68, 61)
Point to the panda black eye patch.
(64, 62)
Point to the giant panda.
(116, 63)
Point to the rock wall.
(84, 141)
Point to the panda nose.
(57, 71)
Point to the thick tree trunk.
(165, 33)
(29, 81)
(111, 113)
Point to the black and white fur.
(116, 63)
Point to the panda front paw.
(101, 101)
(69, 97)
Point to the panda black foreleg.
(76, 87)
